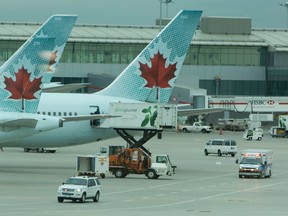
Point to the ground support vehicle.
(278, 132)
(220, 147)
(196, 127)
(92, 165)
(124, 161)
(232, 124)
(253, 134)
(80, 188)
(255, 162)
(41, 150)
(283, 121)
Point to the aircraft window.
(54, 113)
(38, 112)
(65, 114)
(59, 113)
(70, 114)
(75, 114)
(44, 113)
(49, 113)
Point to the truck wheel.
(240, 176)
(96, 198)
(102, 175)
(270, 174)
(40, 150)
(184, 130)
(52, 151)
(60, 199)
(259, 138)
(232, 155)
(26, 149)
(119, 173)
(206, 152)
(83, 198)
(151, 174)
(249, 138)
(219, 153)
(203, 131)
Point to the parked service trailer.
(92, 165)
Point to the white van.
(221, 146)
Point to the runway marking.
(124, 201)
(188, 181)
(126, 191)
(239, 191)
(169, 184)
(152, 206)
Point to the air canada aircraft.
(23, 76)
(149, 78)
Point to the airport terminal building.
(226, 57)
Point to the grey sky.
(264, 13)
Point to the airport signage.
(251, 104)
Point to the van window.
(233, 143)
(227, 143)
(217, 142)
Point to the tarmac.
(202, 185)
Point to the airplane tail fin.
(152, 74)
(24, 73)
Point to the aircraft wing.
(24, 122)
(59, 88)
(192, 112)
(87, 117)
(32, 122)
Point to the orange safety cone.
(220, 131)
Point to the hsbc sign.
(251, 104)
(262, 102)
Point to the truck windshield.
(161, 159)
(76, 181)
(255, 161)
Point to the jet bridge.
(149, 118)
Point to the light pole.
(166, 2)
(285, 5)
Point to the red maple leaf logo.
(22, 88)
(157, 75)
(52, 60)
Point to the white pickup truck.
(196, 127)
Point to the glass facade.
(113, 53)
(124, 53)
(226, 55)
(234, 87)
